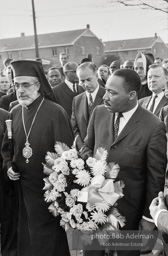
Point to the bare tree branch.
(143, 4)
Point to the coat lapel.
(146, 102)
(162, 103)
(84, 108)
(99, 97)
(130, 126)
(110, 124)
(68, 91)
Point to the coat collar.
(130, 126)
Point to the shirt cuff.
(157, 215)
(148, 219)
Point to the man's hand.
(157, 204)
(146, 225)
(13, 175)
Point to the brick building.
(77, 43)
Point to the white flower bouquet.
(83, 193)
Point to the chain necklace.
(27, 151)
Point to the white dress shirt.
(93, 94)
(157, 100)
(69, 84)
(125, 118)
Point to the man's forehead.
(87, 72)
(158, 70)
(54, 71)
(114, 81)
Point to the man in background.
(63, 58)
(4, 84)
(114, 66)
(67, 90)
(128, 64)
(84, 104)
(54, 76)
(158, 61)
(157, 82)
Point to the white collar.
(93, 93)
(127, 115)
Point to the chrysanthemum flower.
(83, 178)
(50, 196)
(103, 206)
(99, 168)
(99, 217)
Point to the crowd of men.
(122, 108)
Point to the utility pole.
(35, 31)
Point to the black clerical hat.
(35, 69)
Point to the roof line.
(131, 39)
(31, 48)
(79, 36)
(124, 50)
(88, 29)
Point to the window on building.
(9, 55)
(154, 52)
(83, 50)
(162, 52)
(20, 55)
(54, 51)
(98, 50)
(66, 50)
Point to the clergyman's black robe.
(36, 224)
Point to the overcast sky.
(107, 21)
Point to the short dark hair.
(131, 79)
(53, 68)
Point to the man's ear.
(38, 85)
(133, 95)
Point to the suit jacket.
(2, 93)
(6, 100)
(140, 151)
(101, 82)
(164, 116)
(80, 116)
(64, 96)
(144, 102)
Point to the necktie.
(74, 88)
(90, 103)
(116, 125)
(153, 103)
